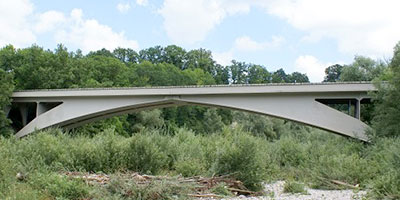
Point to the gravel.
(275, 191)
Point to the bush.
(238, 154)
(294, 187)
(189, 160)
(385, 154)
(290, 152)
(144, 155)
(189, 167)
(59, 186)
(315, 157)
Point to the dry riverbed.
(275, 191)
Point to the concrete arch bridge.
(304, 103)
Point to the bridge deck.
(337, 87)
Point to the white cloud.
(20, 26)
(188, 22)
(223, 58)
(89, 34)
(245, 43)
(123, 7)
(359, 26)
(48, 21)
(310, 65)
(364, 27)
(141, 2)
(15, 23)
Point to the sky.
(296, 35)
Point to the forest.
(189, 141)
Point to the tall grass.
(312, 157)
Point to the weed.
(294, 187)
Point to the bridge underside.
(306, 108)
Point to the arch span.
(295, 102)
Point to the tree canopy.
(387, 111)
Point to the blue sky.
(296, 35)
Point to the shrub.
(290, 152)
(294, 187)
(189, 167)
(238, 154)
(59, 186)
(385, 154)
(189, 159)
(144, 155)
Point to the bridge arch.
(291, 102)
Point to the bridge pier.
(357, 109)
(23, 109)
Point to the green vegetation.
(294, 187)
(189, 140)
(315, 158)
(387, 115)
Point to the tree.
(200, 58)
(238, 72)
(258, 124)
(297, 77)
(161, 74)
(280, 76)
(212, 121)
(332, 73)
(387, 110)
(197, 77)
(101, 52)
(175, 55)
(362, 69)
(39, 69)
(152, 54)
(8, 58)
(222, 74)
(6, 89)
(104, 71)
(126, 55)
(257, 74)
(145, 119)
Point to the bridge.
(305, 103)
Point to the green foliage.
(212, 121)
(6, 89)
(221, 189)
(189, 157)
(144, 155)
(294, 187)
(387, 111)
(141, 120)
(239, 155)
(313, 157)
(59, 186)
(362, 69)
(200, 58)
(259, 125)
(333, 72)
(386, 157)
